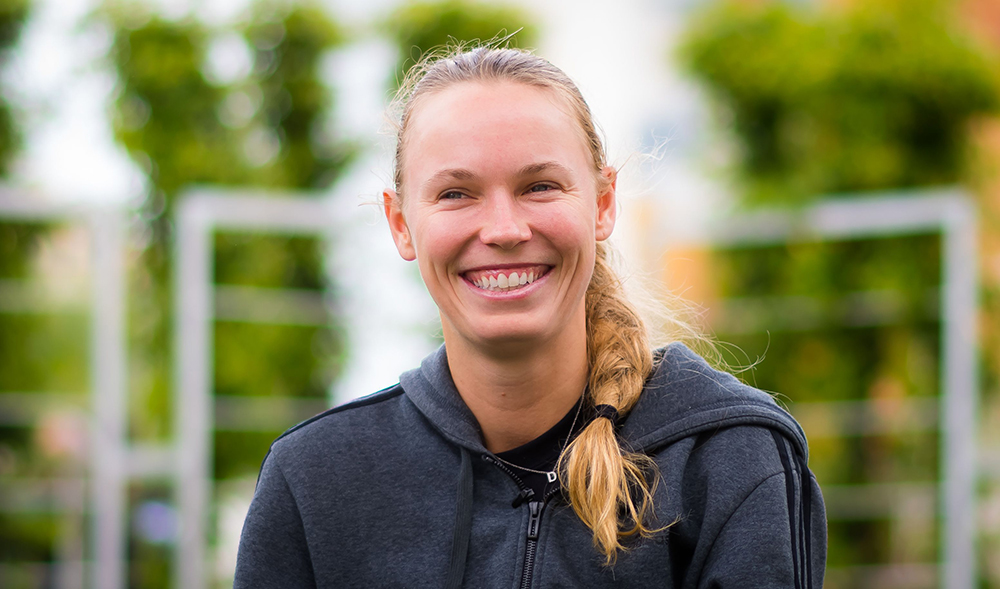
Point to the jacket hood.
(683, 397)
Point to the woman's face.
(501, 208)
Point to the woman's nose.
(504, 224)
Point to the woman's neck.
(521, 391)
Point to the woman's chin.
(502, 334)
(514, 336)
(523, 339)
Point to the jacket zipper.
(534, 520)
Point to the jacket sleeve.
(776, 537)
(273, 550)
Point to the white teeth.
(504, 281)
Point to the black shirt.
(542, 453)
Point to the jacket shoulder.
(683, 371)
(737, 457)
(686, 396)
(353, 418)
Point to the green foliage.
(10, 137)
(240, 370)
(149, 564)
(13, 13)
(28, 538)
(37, 352)
(287, 49)
(875, 97)
(18, 241)
(237, 453)
(171, 124)
(165, 112)
(818, 269)
(268, 261)
(266, 130)
(44, 352)
(418, 27)
(168, 118)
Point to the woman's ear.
(607, 206)
(397, 225)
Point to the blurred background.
(190, 262)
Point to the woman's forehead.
(476, 99)
(502, 115)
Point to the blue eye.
(541, 188)
(452, 195)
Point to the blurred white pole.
(192, 391)
(108, 402)
(199, 214)
(107, 481)
(959, 399)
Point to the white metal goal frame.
(950, 213)
(200, 213)
(108, 453)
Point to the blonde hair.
(610, 488)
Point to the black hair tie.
(606, 411)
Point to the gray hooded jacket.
(396, 490)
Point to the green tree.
(875, 97)
(418, 27)
(12, 16)
(165, 116)
(168, 120)
(266, 131)
(41, 351)
(287, 48)
(842, 101)
(16, 240)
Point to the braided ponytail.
(608, 486)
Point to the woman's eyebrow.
(532, 169)
(450, 174)
(464, 174)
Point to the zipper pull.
(524, 495)
(535, 509)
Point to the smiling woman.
(502, 184)
(677, 475)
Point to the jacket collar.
(432, 390)
(683, 397)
